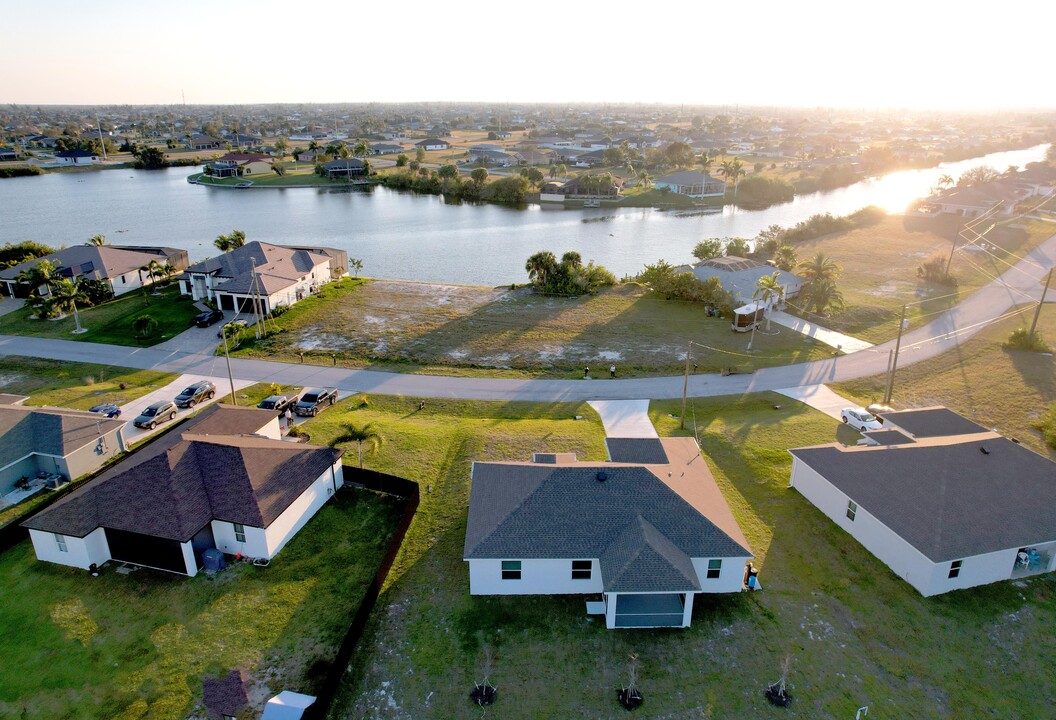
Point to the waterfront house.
(692, 183)
(385, 149)
(739, 276)
(51, 441)
(643, 533)
(118, 266)
(346, 168)
(76, 157)
(272, 275)
(224, 480)
(240, 164)
(433, 144)
(945, 503)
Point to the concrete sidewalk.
(625, 418)
(833, 339)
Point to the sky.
(897, 54)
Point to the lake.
(406, 236)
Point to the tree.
(154, 270)
(447, 171)
(401, 160)
(705, 161)
(150, 158)
(145, 326)
(479, 176)
(232, 241)
(768, 241)
(169, 270)
(414, 165)
(644, 181)
(732, 169)
(359, 435)
(96, 240)
(313, 146)
(279, 168)
(707, 249)
(679, 154)
(820, 291)
(65, 294)
(356, 264)
(572, 259)
(281, 146)
(16, 254)
(785, 258)
(40, 278)
(737, 247)
(361, 149)
(535, 177)
(540, 267)
(419, 154)
(769, 292)
(977, 176)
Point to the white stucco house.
(692, 183)
(118, 266)
(433, 144)
(224, 480)
(276, 274)
(76, 157)
(643, 533)
(946, 504)
(52, 440)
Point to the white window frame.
(60, 541)
(240, 532)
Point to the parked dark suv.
(194, 394)
(278, 403)
(207, 318)
(154, 415)
(315, 401)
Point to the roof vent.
(984, 450)
(602, 477)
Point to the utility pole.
(1037, 312)
(685, 386)
(230, 377)
(99, 128)
(894, 359)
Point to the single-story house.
(385, 149)
(119, 266)
(225, 480)
(10, 153)
(975, 200)
(739, 276)
(433, 144)
(203, 142)
(274, 274)
(943, 502)
(345, 168)
(692, 183)
(54, 441)
(494, 157)
(239, 140)
(76, 157)
(239, 164)
(590, 159)
(644, 532)
(579, 188)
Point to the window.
(714, 568)
(61, 542)
(581, 569)
(240, 532)
(511, 569)
(955, 568)
(852, 508)
(122, 279)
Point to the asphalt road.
(1019, 285)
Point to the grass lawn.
(252, 395)
(137, 646)
(857, 635)
(998, 388)
(111, 323)
(418, 327)
(880, 269)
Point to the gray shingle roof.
(640, 451)
(945, 497)
(641, 559)
(48, 430)
(172, 488)
(932, 422)
(106, 260)
(689, 177)
(276, 266)
(543, 511)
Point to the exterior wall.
(188, 559)
(77, 160)
(272, 429)
(91, 457)
(293, 518)
(902, 558)
(255, 546)
(538, 577)
(80, 552)
(976, 570)
(127, 282)
(551, 197)
(731, 575)
(257, 167)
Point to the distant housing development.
(643, 533)
(943, 502)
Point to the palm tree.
(65, 295)
(154, 270)
(820, 290)
(97, 240)
(541, 267)
(40, 278)
(169, 270)
(644, 181)
(232, 241)
(820, 267)
(705, 161)
(785, 258)
(736, 171)
(945, 181)
(359, 435)
(361, 149)
(768, 291)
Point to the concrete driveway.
(820, 398)
(129, 411)
(625, 418)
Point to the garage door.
(147, 550)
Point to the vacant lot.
(880, 269)
(406, 326)
(138, 646)
(112, 323)
(856, 634)
(996, 387)
(76, 385)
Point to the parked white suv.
(860, 419)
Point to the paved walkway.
(833, 339)
(625, 418)
(820, 398)
(130, 410)
(1018, 286)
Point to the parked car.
(154, 415)
(860, 419)
(279, 403)
(231, 328)
(207, 318)
(315, 401)
(194, 394)
(111, 410)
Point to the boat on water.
(592, 203)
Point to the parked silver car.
(156, 414)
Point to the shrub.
(934, 270)
(24, 171)
(1047, 425)
(758, 191)
(1020, 340)
(14, 254)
